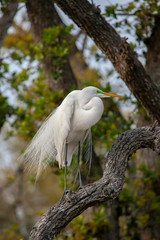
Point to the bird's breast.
(87, 115)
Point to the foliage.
(143, 13)
(140, 203)
(6, 110)
(36, 98)
(4, 5)
(111, 125)
(51, 39)
(11, 233)
(88, 228)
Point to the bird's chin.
(104, 96)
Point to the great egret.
(65, 130)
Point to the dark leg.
(78, 160)
(65, 177)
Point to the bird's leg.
(78, 160)
(65, 176)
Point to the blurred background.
(43, 56)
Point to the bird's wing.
(62, 128)
(49, 142)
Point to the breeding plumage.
(68, 125)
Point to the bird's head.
(90, 92)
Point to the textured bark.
(7, 18)
(117, 50)
(107, 188)
(43, 15)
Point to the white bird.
(65, 130)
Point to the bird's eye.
(99, 92)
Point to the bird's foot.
(82, 187)
(64, 193)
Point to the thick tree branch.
(108, 187)
(7, 18)
(117, 50)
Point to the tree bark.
(43, 15)
(107, 188)
(117, 50)
(7, 18)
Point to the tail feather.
(42, 147)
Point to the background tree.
(44, 69)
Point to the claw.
(81, 187)
(64, 193)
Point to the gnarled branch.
(108, 187)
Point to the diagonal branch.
(108, 187)
(117, 50)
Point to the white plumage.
(70, 123)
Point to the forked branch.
(108, 187)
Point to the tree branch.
(117, 50)
(7, 18)
(108, 187)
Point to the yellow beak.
(112, 95)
